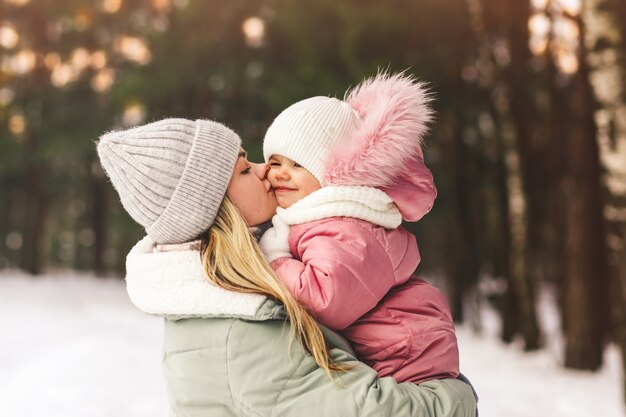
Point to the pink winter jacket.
(356, 277)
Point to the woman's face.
(250, 191)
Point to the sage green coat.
(228, 354)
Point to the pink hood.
(385, 149)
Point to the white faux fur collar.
(172, 283)
(365, 203)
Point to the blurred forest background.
(528, 148)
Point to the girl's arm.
(343, 272)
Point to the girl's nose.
(261, 170)
(279, 172)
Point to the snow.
(73, 346)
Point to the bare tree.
(605, 55)
(510, 92)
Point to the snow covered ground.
(74, 346)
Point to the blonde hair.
(232, 260)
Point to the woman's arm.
(234, 367)
(268, 380)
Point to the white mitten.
(275, 242)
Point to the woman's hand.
(275, 242)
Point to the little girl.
(346, 173)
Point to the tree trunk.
(519, 309)
(605, 55)
(34, 223)
(460, 236)
(518, 156)
(35, 171)
(6, 197)
(586, 292)
(522, 288)
(99, 210)
(558, 132)
(511, 320)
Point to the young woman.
(227, 351)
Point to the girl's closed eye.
(246, 170)
(296, 165)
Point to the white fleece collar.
(365, 203)
(171, 282)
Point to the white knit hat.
(171, 175)
(306, 131)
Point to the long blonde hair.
(232, 260)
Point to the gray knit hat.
(171, 175)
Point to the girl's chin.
(284, 204)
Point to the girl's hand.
(275, 242)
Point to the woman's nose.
(261, 170)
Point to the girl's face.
(251, 192)
(290, 180)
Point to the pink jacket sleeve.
(343, 272)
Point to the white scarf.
(170, 281)
(365, 203)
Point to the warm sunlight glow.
(566, 29)
(162, 5)
(17, 3)
(51, 60)
(8, 36)
(81, 58)
(558, 33)
(134, 114)
(539, 4)
(111, 6)
(567, 62)
(23, 62)
(103, 80)
(539, 24)
(6, 96)
(62, 75)
(254, 30)
(17, 124)
(98, 60)
(571, 7)
(538, 45)
(82, 21)
(134, 49)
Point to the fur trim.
(394, 116)
(173, 284)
